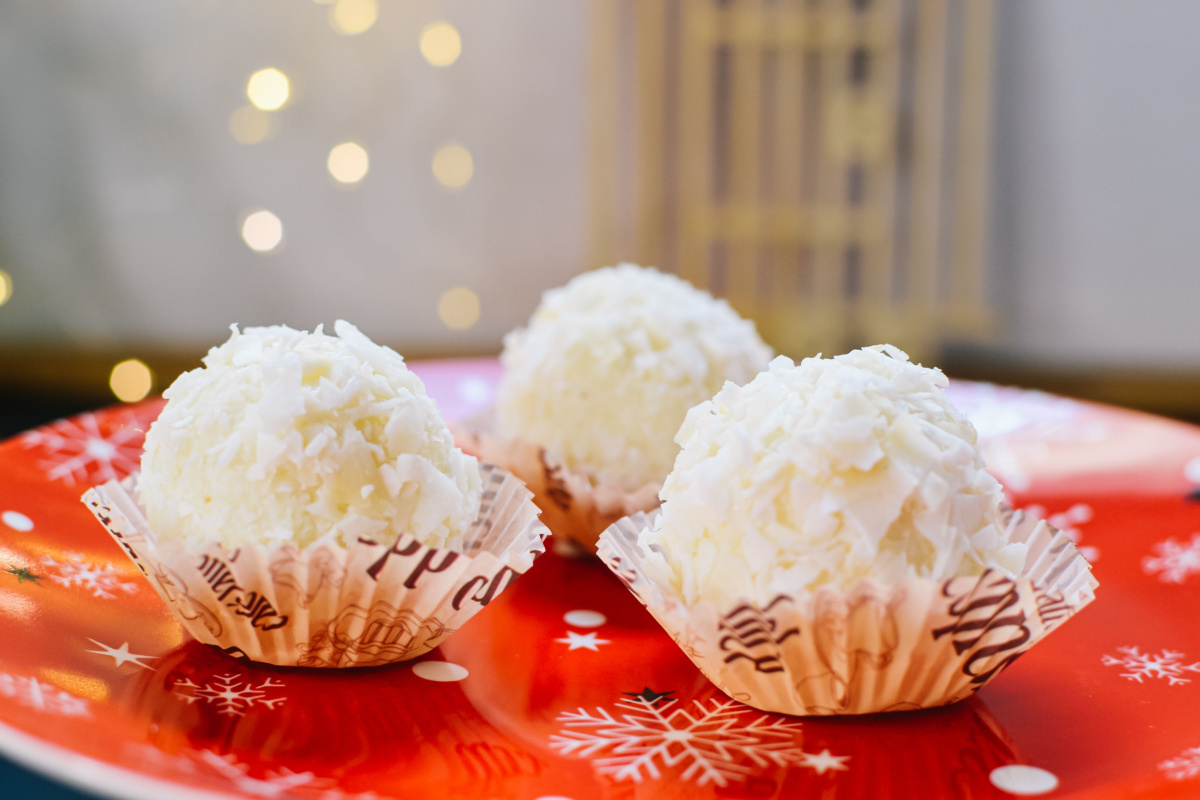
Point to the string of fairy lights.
(267, 91)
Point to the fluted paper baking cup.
(914, 644)
(327, 605)
(574, 507)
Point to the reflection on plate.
(565, 687)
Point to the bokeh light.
(459, 308)
(352, 17)
(348, 162)
(6, 287)
(268, 89)
(262, 231)
(453, 166)
(131, 380)
(249, 125)
(440, 44)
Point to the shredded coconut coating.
(285, 435)
(823, 474)
(610, 364)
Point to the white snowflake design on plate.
(1167, 665)
(998, 411)
(77, 452)
(274, 783)
(42, 696)
(1019, 429)
(1174, 561)
(1070, 522)
(1184, 766)
(232, 696)
(103, 582)
(714, 744)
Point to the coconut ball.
(823, 474)
(285, 435)
(609, 365)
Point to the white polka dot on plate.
(1024, 780)
(440, 671)
(583, 618)
(17, 521)
(553, 797)
(564, 547)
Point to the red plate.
(566, 688)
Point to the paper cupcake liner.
(914, 644)
(326, 605)
(575, 508)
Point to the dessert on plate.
(596, 384)
(830, 542)
(301, 502)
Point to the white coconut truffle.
(285, 435)
(823, 474)
(610, 364)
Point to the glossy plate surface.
(566, 688)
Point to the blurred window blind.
(823, 165)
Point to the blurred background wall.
(1096, 247)
(506, 150)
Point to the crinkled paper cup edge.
(918, 643)
(576, 509)
(327, 605)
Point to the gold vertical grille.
(820, 163)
